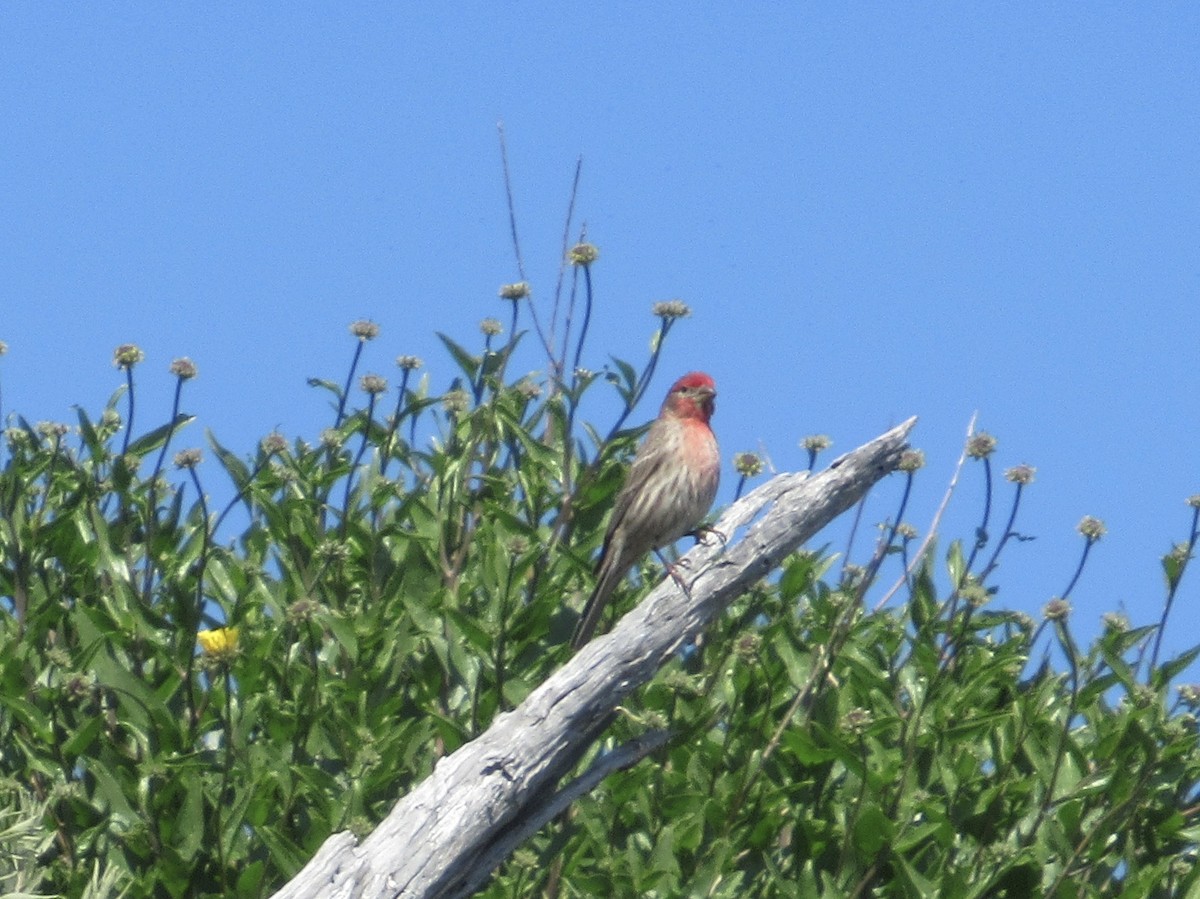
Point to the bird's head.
(692, 396)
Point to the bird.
(670, 488)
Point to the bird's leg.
(671, 570)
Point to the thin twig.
(918, 558)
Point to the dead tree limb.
(446, 836)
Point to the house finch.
(670, 487)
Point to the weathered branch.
(444, 838)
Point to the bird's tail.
(610, 576)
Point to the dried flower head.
(748, 465)
(974, 594)
(981, 445)
(364, 329)
(188, 458)
(528, 388)
(1189, 695)
(583, 254)
(491, 327)
(1021, 475)
(1091, 528)
(1194, 501)
(127, 355)
(1057, 609)
(816, 443)
(409, 363)
(184, 368)
(302, 610)
(906, 531)
(331, 438)
(857, 720)
(273, 444)
(671, 309)
(373, 384)
(911, 460)
(748, 647)
(517, 291)
(1115, 622)
(456, 401)
(52, 430)
(333, 551)
(3, 348)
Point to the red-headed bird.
(670, 488)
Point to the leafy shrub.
(193, 698)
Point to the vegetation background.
(193, 698)
(871, 213)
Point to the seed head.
(514, 292)
(857, 720)
(1115, 622)
(583, 254)
(333, 551)
(52, 430)
(456, 401)
(974, 594)
(188, 458)
(302, 610)
(373, 384)
(1091, 528)
(184, 368)
(1057, 609)
(748, 465)
(408, 363)
(981, 445)
(911, 460)
(3, 348)
(1194, 501)
(1189, 695)
(364, 329)
(906, 531)
(816, 443)
(491, 327)
(127, 355)
(748, 647)
(670, 310)
(273, 444)
(528, 388)
(1021, 475)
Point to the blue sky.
(874, 212)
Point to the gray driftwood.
(446, 836)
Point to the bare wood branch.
(444, 837)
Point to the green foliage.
(193, 699)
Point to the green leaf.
(159, 436)
(467, 362)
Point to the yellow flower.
(222, 642)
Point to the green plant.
(192, 697)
